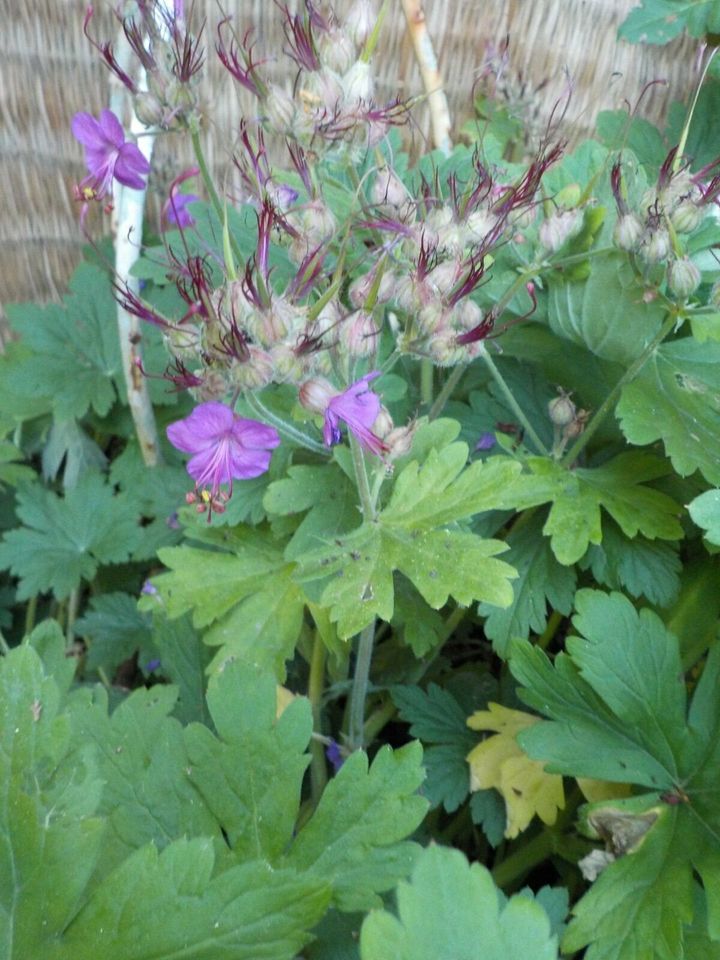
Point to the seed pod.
(562, 410)
(686, 217)
(559, 228)
(628, 232)
(655, 246)
(315, 394)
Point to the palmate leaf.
(417, 535)
(452, 909)
(75, 361)
(541, 581)
(660, 21)
(577, 496)
(676, 399)
(705, 512)
(605, 312)
(63, 541)
(618, 712)
(248, 596)
(129, 836)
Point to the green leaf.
(250, 597)
(618, 130)
(541, 581)
(68, 443)
(577, 496)
(328, 496)
(618, 712)
(656, 21)
(115, 628)
(170, 905)
(250, 774)
(676, 399)
(437, 719)
(641, 567)
(705, 512)
(13, 472)
(51, 837)
(354, 836)
(606, 312)
(411, 535)
(452, 909)
(64, 541)
(75, 361)
(183, 660)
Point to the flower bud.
(315, 394)
(442, 277)
(383, 423)
(286, 364)
(479, 224)
(388, 190)
(254, 373)
(430, 318)
(359, 334)
(360, 288)
(213, 387)
(280, 109)
(358, 82)
(683, 277)
(562, 410)
(686, 216)
(148, 109)
(360, 22)
(467, 314)
(628, 232)
(336, 51)
(655, 246)
(577, 425)
(399, 441)
(559, 228)
(444, 349)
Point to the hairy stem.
(361, 680)
(513, 404)
(318, 768)
(282, 427)
(442, 398)
(609, 402)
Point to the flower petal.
(202, 429)
(130, 167)
(87, 130)
(112, 128)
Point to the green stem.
(520, 863)
(361, 680)
(554, 621)
(210, 187)
(282, 427)
(30, 614)
(609, 402)
(378, 718)
(72, 608)
(4, 646)
(677, 162)
(442, 398)
(316, 682)
(513, 404)
(361, 478)
(426, 382)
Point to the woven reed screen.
(49, 71)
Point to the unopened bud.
(655, 246)
(255, 372)
(562, 410)
(360, 334)
(479, 224)
(399, 441)
(383, 423)
(360, 22)
(467, 314)
(336, 51)
(559, 228)
(683, 277)
(686, 217)
(280, 109)
(315, 394)
(628, 232)
(388, 189)
(148, 109)
(358, 82)
(360, 288)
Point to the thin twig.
(430, 73)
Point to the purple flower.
(108, 155)
(486, 441)
(225, 447)
(149, 589)
(153, 665)
(176, 210)
(359, 407)
(334, 755)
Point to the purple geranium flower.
(225, 447)
(359, 407)
(108, 155)
(176, 209)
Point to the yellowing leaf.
(283, 698)
(595, 791)
(499, 762)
